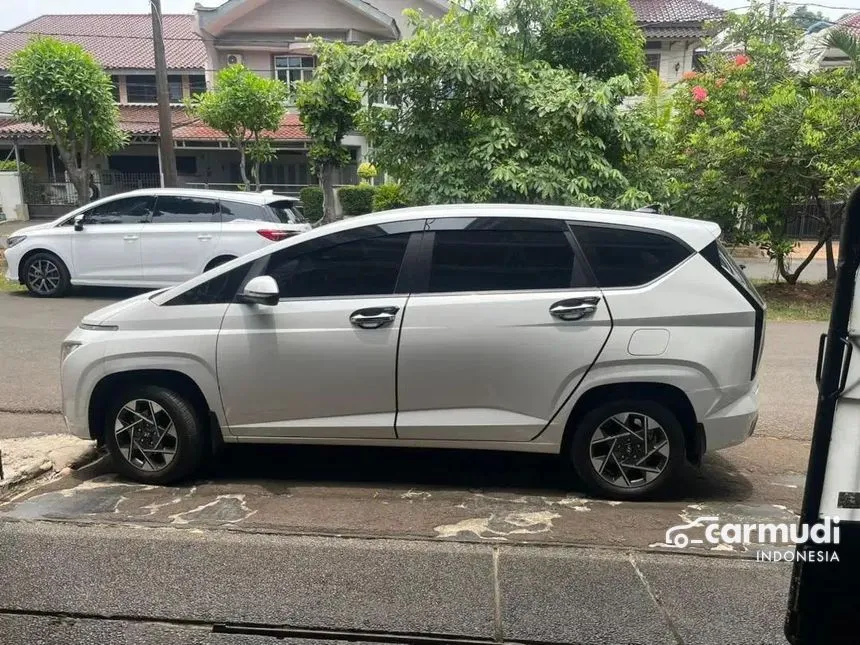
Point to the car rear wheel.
(628, 450)
(154, 435)
(45, 275)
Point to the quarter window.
(240, 210)
(623, 257)
(130, 210)
(170, 210)
(500, 260)
(363, 267)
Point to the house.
(815, 53)
(674, 32)
(267, 36)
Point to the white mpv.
(148, 238)
(627, 342)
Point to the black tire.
(189, 444)
(217, 262)
(45, 275)
(590, 424)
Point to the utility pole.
(165, 122)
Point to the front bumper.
(733, 423)
(13, 259)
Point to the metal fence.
(63, 193)
(804, 221)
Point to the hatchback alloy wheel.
(44, 276)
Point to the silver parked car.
(629, 342)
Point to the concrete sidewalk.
(367, 587)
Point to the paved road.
(757, 269)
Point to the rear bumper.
(733, 423)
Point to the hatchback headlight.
(67, 348)
(15, 239)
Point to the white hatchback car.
(148, 238)
(627, 342)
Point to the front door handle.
(575, 308)
(204, 236)
(374, 317)
(130, 238)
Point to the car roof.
(696, 233)
(265, 197)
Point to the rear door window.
(170, 209)
(625, 257)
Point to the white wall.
(312, 15)
(11, 199)
(672, 53)
(395, 8)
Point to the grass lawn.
(5, 285)
(801, 301)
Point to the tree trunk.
(255, 175)
(791, 278)
(327, 185)
(242, 169)
(81, 183)
(831, 263)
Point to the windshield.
(287, 213)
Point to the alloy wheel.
(145, 435)
(43, 276)
(629, 450)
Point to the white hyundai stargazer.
(628, 342)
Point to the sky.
(14, 12)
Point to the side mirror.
(262, 290)
(79, 223)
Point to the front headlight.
(67, 348)
(15, 239)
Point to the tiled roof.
(289, 130)
(118, 41)
(689, 30)
(850, 23)
(143, 120)
(673, 11)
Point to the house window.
(699, 60)
(652, 60)
(7, 89)
(141, 88)
(291, 69)
(197, 83)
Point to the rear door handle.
(374, 317)
(130, 238)
(575, 308)
(204, 236)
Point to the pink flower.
(741, 60)
(699, 112)
(689, 76)
(720, 82)
(700, 94)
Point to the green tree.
(61, 87)
(466, 119)
(595, 37)
(804, 18)
(754, 140)
(328, 106)
(244, 106)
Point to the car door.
(322, 362)
(180, 238)
(506, 326)
(108, 247)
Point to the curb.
(47, 467)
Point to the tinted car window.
(171, 210)
(220, 289)
(367, 266)
(239, 210)
(499, 260)
(129, 210)
(623, 257)
(287, 213)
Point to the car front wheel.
(45, 275)
(628, 450)
(154, 435)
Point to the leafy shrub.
(11, 166)
(356, 200)
(312, 202)
(366, 171)
(388, 197)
